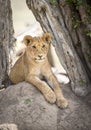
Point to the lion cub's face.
(37, 47)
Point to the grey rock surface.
(25, 106)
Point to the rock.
(25, 106)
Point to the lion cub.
(33, 65)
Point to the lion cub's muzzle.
(40, 57)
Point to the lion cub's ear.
(27, 40)
(47, 37)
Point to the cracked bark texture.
(71, 42)
(6, 38)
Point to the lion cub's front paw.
(50, 96)
(62, 103)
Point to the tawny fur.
(33, 65)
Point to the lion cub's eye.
(43, 46)
(34, 47)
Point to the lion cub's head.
(37, 47)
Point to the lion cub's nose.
(40, 56)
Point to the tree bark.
(6, 39)
(70, 41)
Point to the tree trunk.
(71, 37)
(6, 39)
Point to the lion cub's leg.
(61, 101)
(43, 87)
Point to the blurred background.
(23, 18)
